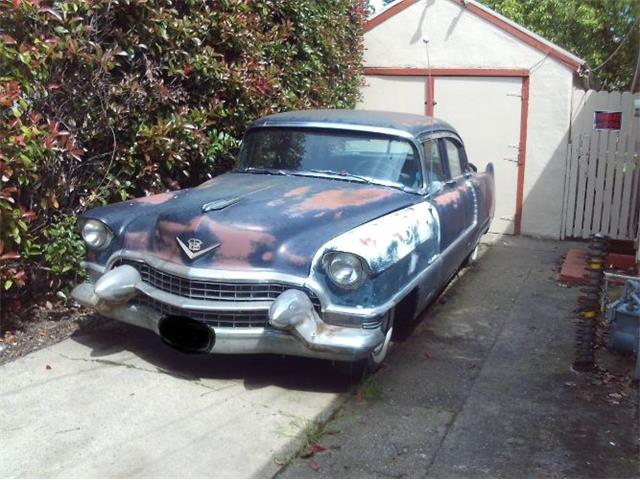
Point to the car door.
(453, 198)
(444, 195)
(461, 173)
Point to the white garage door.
(393, 94)
(486, 113)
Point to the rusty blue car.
(334, 226)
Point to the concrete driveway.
(116, 402)
(483, 388)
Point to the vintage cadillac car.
(333, 225)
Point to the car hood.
(255, 221)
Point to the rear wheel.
(472, 257)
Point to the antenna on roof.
(429, 99)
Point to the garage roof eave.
(521, 33)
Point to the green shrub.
(64, 248)
(107, 99)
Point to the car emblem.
(193, 249)
(194, 244)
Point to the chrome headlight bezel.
(96, 234)
(332, 262)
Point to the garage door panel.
(393, 94)
(486, 113)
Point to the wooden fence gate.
(603, 167)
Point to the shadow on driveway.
(107, 337)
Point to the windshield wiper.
(332, 173)
(351, 176)
(268, 171)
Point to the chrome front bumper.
(294, 326)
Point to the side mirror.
(472, 167)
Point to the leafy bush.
(107, 99)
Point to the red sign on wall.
(607, 120)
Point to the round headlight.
(96, 234)
(345, 270)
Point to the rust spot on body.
(335, 199)
(136, 240)
(293, 258)
(236, 244)
(154, 199)
(448, 198)
(297, 192)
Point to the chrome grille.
(211, 289)
(234, 319)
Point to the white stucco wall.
(459, 38)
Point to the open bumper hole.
(186, 334)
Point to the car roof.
(377, 121)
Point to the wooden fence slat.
(633, 153)
(570, 187)
(629, 203)
(630, 174)
(573, 170)
(623, 190)
(606, 154)
(582, 164)
(598, 181)
(615, 177)
(597, 139)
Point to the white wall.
(460, 39)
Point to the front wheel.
(372, 362)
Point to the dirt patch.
(39, 326)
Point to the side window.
(455, 157)
(435, 167)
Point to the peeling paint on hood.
(277, 223)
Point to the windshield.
(345, 154)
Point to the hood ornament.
(219, 204)
(193, 248)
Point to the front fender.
(397, 247)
